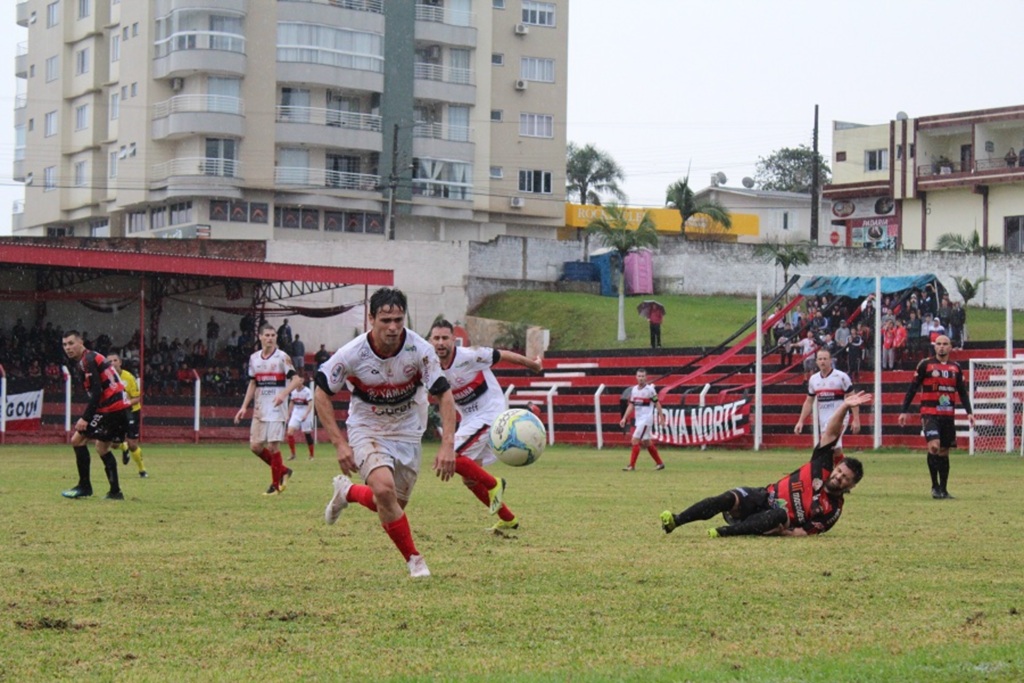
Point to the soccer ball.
(517, 437)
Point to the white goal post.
(997, 396)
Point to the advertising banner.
(706, 425)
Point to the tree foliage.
(785, 254)
(968, 290)
(613, 229)
(591, 173)
(951, 241)
(791, 169)
(681, 197)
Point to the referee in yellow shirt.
(131, 446)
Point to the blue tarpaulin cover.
(857, 287)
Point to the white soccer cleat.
(339, 501)
(418, 567)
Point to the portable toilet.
(607, 262)
(640, 272)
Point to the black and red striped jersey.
(809, 505)
(938, 382)
(107, 394)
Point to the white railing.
(211, 104)
(19, 153)
(441, 189)
(320, 177)
(328, 117)
(21, 49)
(200, 40)
(375, 6)
(448, 74)
(193, 166)
(441, 131)
(20, 100)
(440, 15)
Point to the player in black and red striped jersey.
(807, 502)
(105, 418)
(938, 378)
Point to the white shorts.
(305, 425)
(471, 440)
(266, 432)
(644, 430)
(401, 457)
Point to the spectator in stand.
(945, 311)
(855, 351)
(842, 339)
(212, 335)
(913, 329)
(935, 330)
(184, 377)
(298, 352)
(1011, 158)
(807, 347)
(786, 343)
(199, 354)
(284, 336)
(657, 315)
(899, 344)
(888, 345)
(957, 325)
(929, 306)
(321, 356)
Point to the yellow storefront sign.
(665, 220)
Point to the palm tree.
(952, 241)
(614, 230)
(589, 173)
(785, 254)
(968, 290)
(680, 196)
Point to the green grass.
(587, 321)
(196, 576)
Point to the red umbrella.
(644, 308)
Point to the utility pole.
(815, 182)
(392, 186)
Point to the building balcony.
(198, 176)
(444, 83)
(304, 177)
(437, 24)
(374, 6)
(442, 189)
(318, 126)
(18, 171)
(442, 141)
(185, 115)
(18, 215)
(20, 109)
(21, 60)
(22, 13)
(200, 51)
(298, 67)
(976, 172)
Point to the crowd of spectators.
(36, 352)
(911, 320)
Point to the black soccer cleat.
(114, 495)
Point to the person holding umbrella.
(655, 314)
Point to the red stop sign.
(834, 237)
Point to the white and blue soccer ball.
(518, 437)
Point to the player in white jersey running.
(388, 370)
(271, 379)
(301, 418)
(828, 387)
(478, 400)
(644, 406)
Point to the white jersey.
(477, 394)
(271, 375)
(829, 393)
(388, 395)
(302, 403)
(644, 399)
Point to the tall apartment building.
(905, 183)
(264, 119)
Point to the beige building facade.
(905, 183)
(292, 119)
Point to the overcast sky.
(712, 85)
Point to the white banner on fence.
(24, 411)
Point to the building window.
(327, 45)
(82, 61)
(115, 106)
(53, 14)
(99, 228)
(498, 59)
(81, 170)
(181, 213)
(538, 13)
(135, 29)
(158, 218)
(537, 69)
(537, 182)
(876, 160)
(1013, 241)
(82, 117)
(136, 221)
(220, 157)
(785, 220)
(115, 47)
(497, 172)
(497, 115)
(354, 222)
(536, 126)
(52, 68)
(124, 33)
(60, 231)
(135, 89)
(112, 164)
(49, 178)
(840, 156)
(83, 8)
(294, 217)
(50, 124)
(124, 92)
(498, 4)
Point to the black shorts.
(752, 501)
(108, 427)
(133, 424)
(941, 428)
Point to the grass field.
(196, 576)
(587, 321)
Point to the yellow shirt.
(132, 389)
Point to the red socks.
(633, 455)
(291, 443)
(653, 450)
(401, 535)
(466, 467)
(362, 494)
